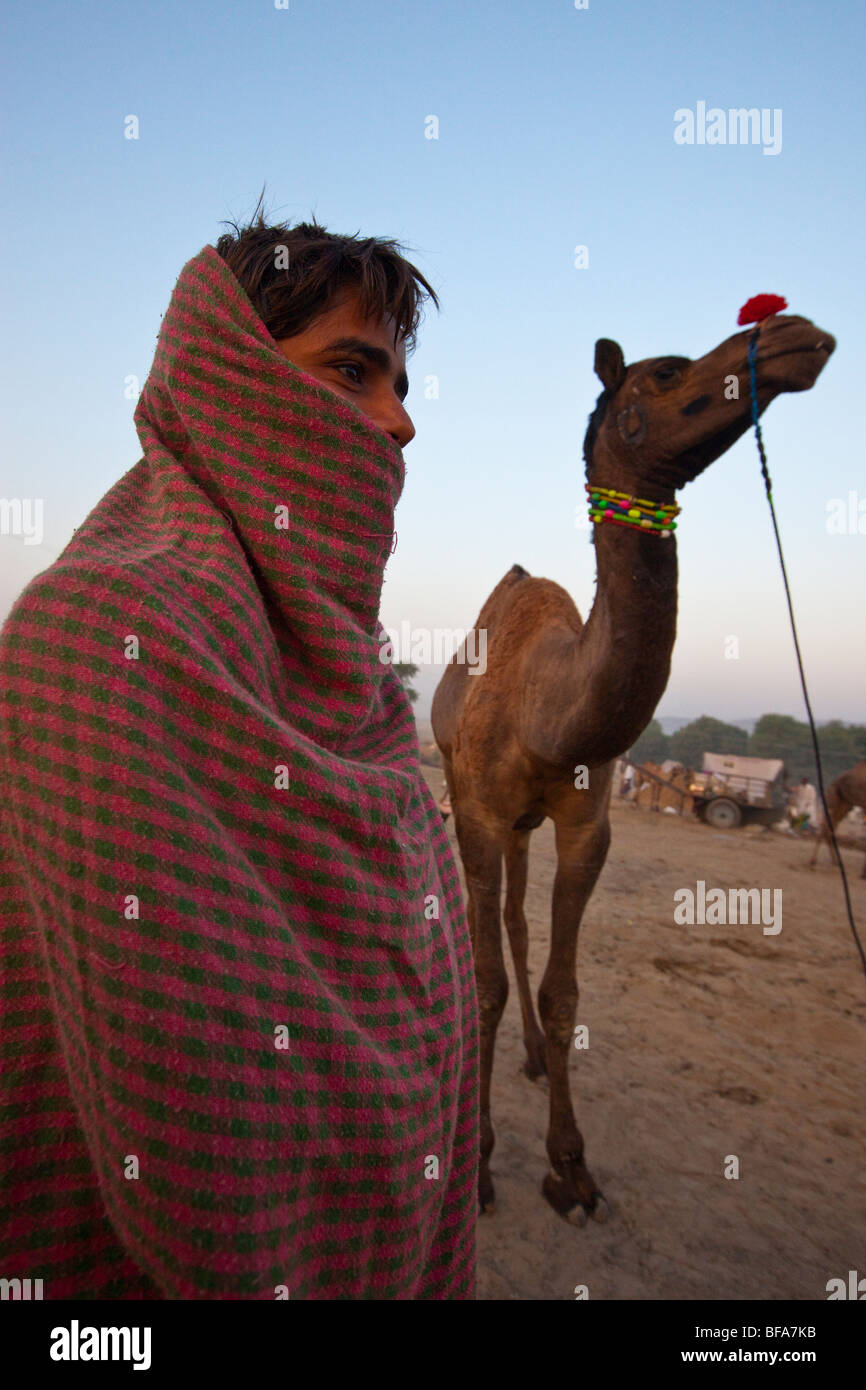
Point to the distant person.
(805, 806)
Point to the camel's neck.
(611, 678)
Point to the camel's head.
(662, 421)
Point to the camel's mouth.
(795, 337)
(823, 348)
(792, 353)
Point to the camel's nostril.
(696, 406)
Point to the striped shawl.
(239, 1033)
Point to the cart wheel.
(723, 814)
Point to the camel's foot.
(486, 1194)
(535, 1066)
(570, 1189)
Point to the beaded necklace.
(620, 509)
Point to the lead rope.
(752, 354)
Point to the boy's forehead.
(346, 317)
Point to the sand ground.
(704, 1042)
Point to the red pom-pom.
(760, 307)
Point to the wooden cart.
(732, 790)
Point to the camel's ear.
(609, 363)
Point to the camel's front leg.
(481, 852)
(569, 1186)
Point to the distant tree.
(706, 735)
(406, 670)
(774, 736)
(858, 734)
(841, 745)
(780, 736)
(652, 746)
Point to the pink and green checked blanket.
(239, 1023)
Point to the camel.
(560, 700)
(846, 792)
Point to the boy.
(240, 1029)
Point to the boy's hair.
(290, 288)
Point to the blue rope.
(753, 387)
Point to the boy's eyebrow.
(377, 356)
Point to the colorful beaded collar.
(619, 509)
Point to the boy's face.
(358, 359)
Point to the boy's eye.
(353, 367)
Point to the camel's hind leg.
(516, 864)
(838, 812)
(481, 852)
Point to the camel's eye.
(665, 373)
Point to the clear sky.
(555, 129)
